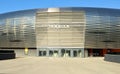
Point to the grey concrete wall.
(86, 53)
(21, 53)
(112, 58)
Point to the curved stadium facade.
(61, 32)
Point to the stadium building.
(61, 32)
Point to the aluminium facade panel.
(61, 30)
(17, 29)
(102, 29)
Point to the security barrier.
(7, 54)
(112, 57)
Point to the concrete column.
(80, 54)
(59, 52)
(71, 53)
(82, 51)
(86, 53)
(47, 52)
(37, 52)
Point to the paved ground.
(38, 65)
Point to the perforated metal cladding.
(60, 29)
(17, 30)
(102, 29)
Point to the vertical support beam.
(37, 51)
(71, 53)
(82, 51)
(86, 53)
(59, 53)
(47, 52)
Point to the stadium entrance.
(61, 52)
(97, 52)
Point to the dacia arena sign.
(55, 26)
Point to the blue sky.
(14, 5)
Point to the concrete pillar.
(47, 52)
(82, 51)
(86, 53)
(80, 54)
(37, 52)
(59, 52)
(71, 53)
